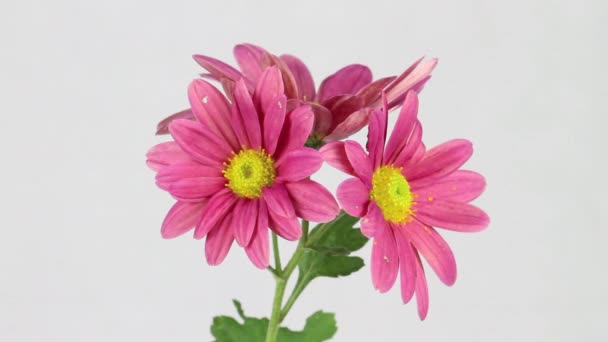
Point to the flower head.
(240, 168)
(401, 191)
(343, 102)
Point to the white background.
(83, 84)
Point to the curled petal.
(353, 195)
(303, 78)
(372, 91)
(218, 68)
(323, 119)
(347, 80)
(312, 201)
(163, 126)
(249, 59)
(351, 125)
(181, 218)
(408, 80)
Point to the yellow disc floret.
(391, 191)
(248, 172)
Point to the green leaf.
(319, 327)
(337, 237)
(328, 248)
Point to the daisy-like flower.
(401, 192)
(341, 105)
(240, 168)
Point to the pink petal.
(277, 200)
(312, 201)
(351, 125)
(190, 181)
(434, 249)
(359, 160)
(211, 109)
(249, 59)
(195, 140)
(373, 221)
(303, 78)
(246, 122)
(450, 215)
(269, 86)
(407, 264)
(347, 80)
(460, 186)
(353, 196)
(258, 249)
(371, 92)
(218, 68)
(408, 80)
(376, 136)
(244, 213)
(403, 127)
(289, 81)
(218, 242)
(334, 154)
(343, 108)
(385, 261)
(274, 117)
(422, 291)
(219, 204)
(286, 227)
(298, 164)
(181, 218)
(296, 129)
(323, 119)
(165, 154)
(439, 161)
(413, 150)
(163, 126)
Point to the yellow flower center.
(248, 172)
(391, 191)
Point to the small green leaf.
(319, 327)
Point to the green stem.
(275, 317)
(292, 299)
(277, 256)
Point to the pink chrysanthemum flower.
(341, 105)
(401, 191)
(240, 168)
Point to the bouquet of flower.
(239, 166)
